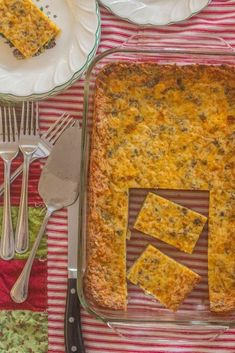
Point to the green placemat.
(23, 332)
(36, 215)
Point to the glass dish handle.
(178, 42)
(165, 332)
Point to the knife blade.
(72, 321)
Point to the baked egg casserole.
(159, 126)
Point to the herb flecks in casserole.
(170, 222)
(155, 126)
(162, 277)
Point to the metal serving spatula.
(58, 187)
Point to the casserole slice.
(25, 26)
(162, 277)
(170, 222)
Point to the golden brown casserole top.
(155, 126)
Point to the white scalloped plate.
(59, 67)
(155, 12)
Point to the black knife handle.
(73, 330)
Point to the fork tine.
(22, 119)
(10, 125)
(58, 127)
(47, 133)
(70, 122)
(27, 118)
(15, 125)
(31, 123)
(1, 125)
(6, 135)
(37, 120)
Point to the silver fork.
(28, 144)
(9, 149)
(46, 142)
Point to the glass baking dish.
(145, 318)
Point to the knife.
(72, 322)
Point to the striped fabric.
(218, 19)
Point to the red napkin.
(37, 298)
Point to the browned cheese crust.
(154, 127)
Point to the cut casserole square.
(25, 26)
(170, 222)
(162, 277)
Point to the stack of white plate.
(155, 12)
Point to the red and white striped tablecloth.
(217, 19)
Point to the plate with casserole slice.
(45, 45)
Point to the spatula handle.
(19, 291)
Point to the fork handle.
(22, 228)
(7, 238)
(19, 291)
(16, 173)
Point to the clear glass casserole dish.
(145, 318)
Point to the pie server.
(58, 187)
